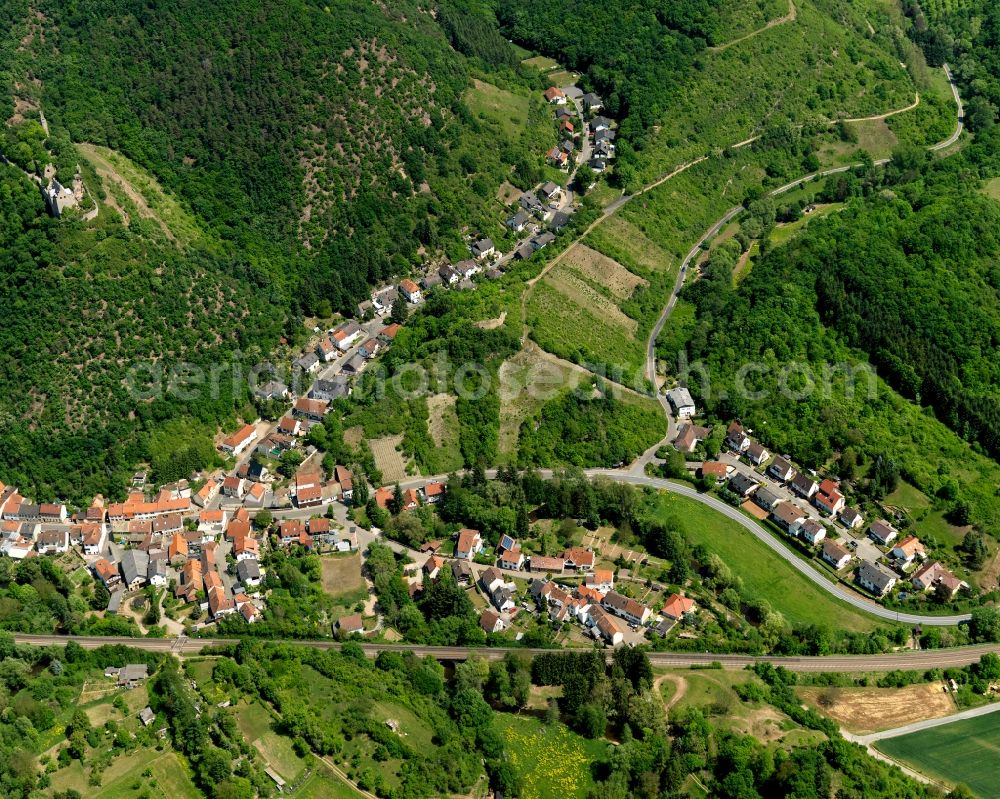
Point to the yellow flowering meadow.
(552, 760)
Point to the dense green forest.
(904, 277)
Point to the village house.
(907, 550)
(385, 299)
(240, 440)
(189, 581)
(483, 249)
(627, 608)
(519, 221)
(233, 487)
(541, 563)
(512, 558)
(448, 275)
(206, 493)
(542, 240)
(550, 190)
(314, 410)
(756, 453)
(156, 571)
(255, 495)
(491, 579)
(578, 558)
(470, 544)
(329, 390)
(491, 622)
(935, 576)
(606, 626)
(351, 625)
(555, 95)
(461, 570)
(355, 366)
(767, 498)
(602, 580)
(307, 362)
(434, 492)
(597, 124)
(95, 539)
(558, 158)
(592, 103)
(882, 532)
(677, 607)
(875, 578)
(128, 676)
(308, 489)
(781, 469)
(804, 486)
(213, 521)
(559, 220)
(410, 290)
(346, 334)
(689, 436)
(246, 548)
(788, 516)
(714, 470)
(345, 480)
(742, 485)
(736, 438)
(835, 554)
(851, 518)
(326, 350)
(812, 531)
(134, 565)
(177, 551)
(682, 402)
(272, 390)
(370, 349)
(53, 541)
(388, 333)
(248, 573)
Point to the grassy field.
(964, 751)
(541, 62)
(740, 17)
(508, 109)
(552, 761)
(763, 573)
(784, 233)
(324, 784)
(992, 188)
(124, 778)
(578, 333)
(624, 241)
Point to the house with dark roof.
(835, 554)
(804, 486)
(875, 578)
(742, 485)
(134, 566)
(882, 532)
(781, 469)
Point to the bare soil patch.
(508, 193)
(864, 710)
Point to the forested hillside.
(282, 124)
(904, 277)
(300, 153)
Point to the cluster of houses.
(572, 127)
(904, 560)
(593, 603)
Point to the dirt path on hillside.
(682, 687)
(789, 17)
(107, 171)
